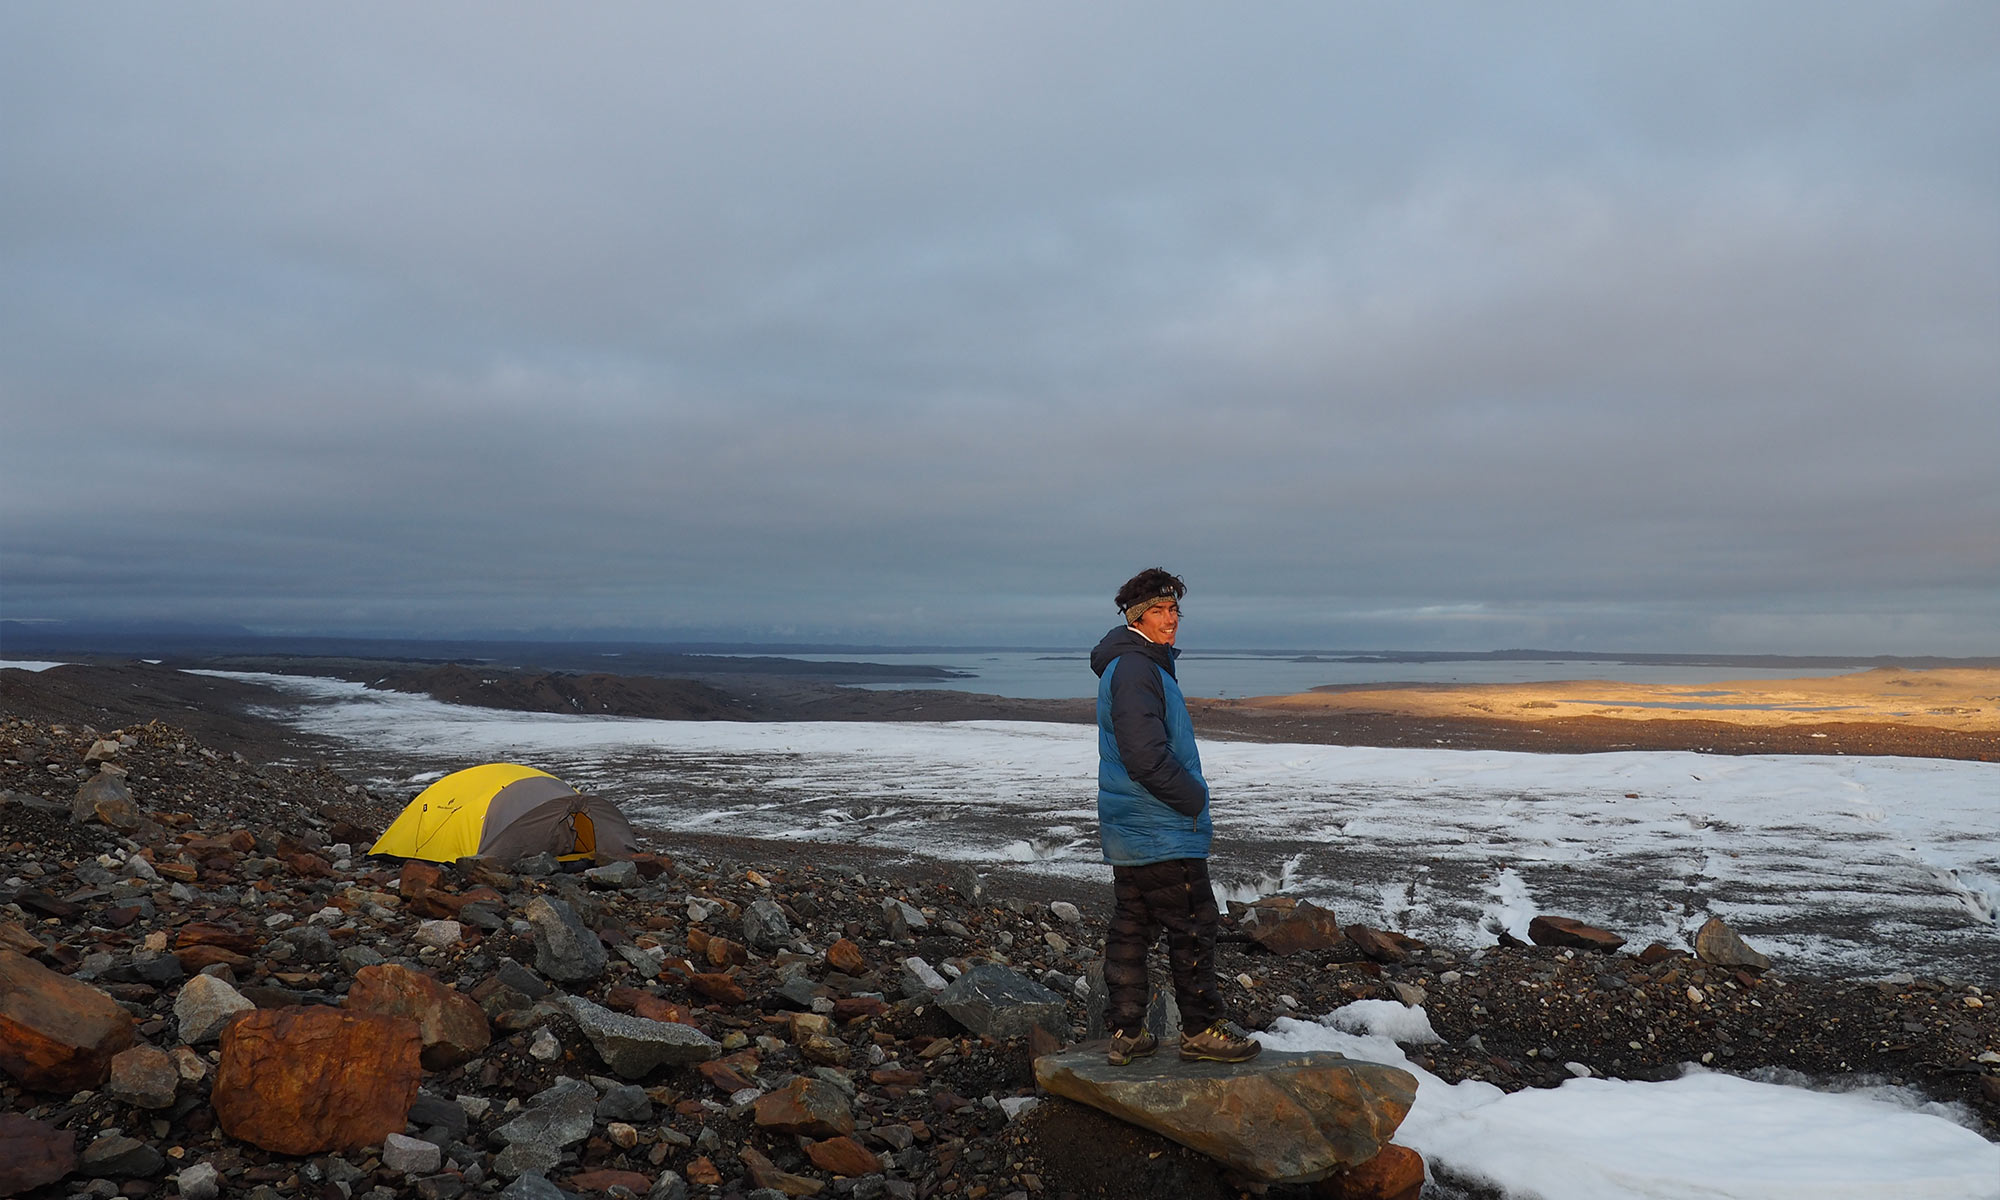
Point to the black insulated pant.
(1174, 896)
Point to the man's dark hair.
(1148, 584)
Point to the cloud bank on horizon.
(1457, 327)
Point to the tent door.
(583, 836)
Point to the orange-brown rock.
(1286, 926)
(1382, 945)
(33, 1154)
(646, 1004)
(1570, 932)
(452, 1026)
(307, 865)
(723, 1076)
(16, 938)
(606, 1179)
(844, 956)
(194, 959)
(808, 1106)
(418, 876)
(843, 1156)
(766, 1174)
(1395, 1173)
(849, 1007)
(205, 933)
(702, 1171)
(721, 988)
(56, 1034)
(308, 1080)
(418, 885)
(721, 952)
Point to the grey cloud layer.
(1457, 327)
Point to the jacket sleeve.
(1139, 724)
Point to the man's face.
(1160, 623)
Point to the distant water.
(1040, 675)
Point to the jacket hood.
(1125, 640)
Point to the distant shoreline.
(1925, 714)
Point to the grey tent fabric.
(537, 814)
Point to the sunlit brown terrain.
(1948, 713)
(1949, 699)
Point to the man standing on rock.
(1152, 819)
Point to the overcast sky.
(1582, 325)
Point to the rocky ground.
(273, 857)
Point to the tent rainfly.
(505, 812)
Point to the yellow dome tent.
(504, 811)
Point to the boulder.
(33, 1153)
(993, 1001)
(1281, 1118)
(312, 1079)
(636, 1046)
(450, 1024)
(1718, 944)
(56, 1034)
(1572, 933)
(1284, 926)
(204, 1006)
(565, 948)
(104, 798)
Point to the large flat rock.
(1282, 1117)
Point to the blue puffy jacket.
(1152, 802)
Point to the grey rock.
(625, 1102)
(765, 927)
(116, 1156)
(618, 875)
(536, 866)
(799, 992)
(646, 962)
(481, 916)
(993, 1001)
(199, 1182)
(310, 944)
(901, 918)
(436, 1113)
(1067, 913)
(920, 979)
(635, 1046)
(532, 1186)
(411, 1156)
(565, 948)
(356, 957)
(527, 1158)
(669, 1186)
(204, 1006)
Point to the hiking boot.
(1127, 1046)
(1221, 1042)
